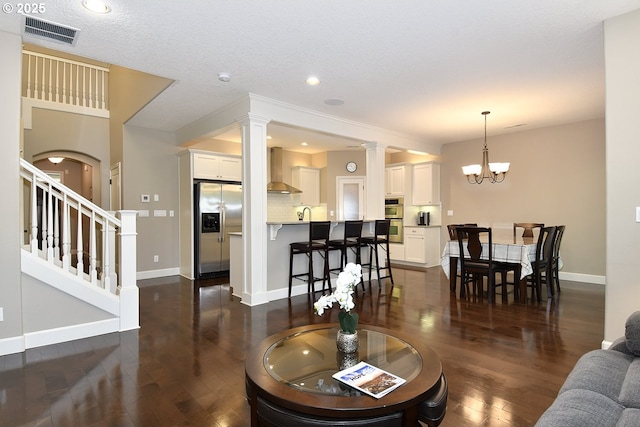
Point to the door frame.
(340, 182)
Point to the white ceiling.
(424, 68)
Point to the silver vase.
(347, 360)
(347, 343)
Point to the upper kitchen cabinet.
(217, 167)
(307, 180)
(426, 184)
(397, 180)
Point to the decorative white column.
(375, 179)
(127, 288)
(254, 208)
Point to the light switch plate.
(450, 212)
(144, 198)
(637, 213)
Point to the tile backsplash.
(280, 207)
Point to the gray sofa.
(603, 389)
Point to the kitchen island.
(280, 235)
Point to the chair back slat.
(528, 228)
(352, 229)
(319, 230)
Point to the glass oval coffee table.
(289, 380)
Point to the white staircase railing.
(71, 233)
(63, 81)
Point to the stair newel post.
(79, 247)
(127, 287)
(34, 215)
(109, 278)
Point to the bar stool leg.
(290, 270)
(389, 264)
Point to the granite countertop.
(421, 226)
(306, 221)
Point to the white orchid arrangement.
(347, 281)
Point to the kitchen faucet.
(306, 208)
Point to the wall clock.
(351, 167)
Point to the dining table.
(520, 251)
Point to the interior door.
(350, 198)
(115, 188)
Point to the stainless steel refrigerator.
(218, 212)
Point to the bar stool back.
(350, 241)
(380, 239)
(318, 242)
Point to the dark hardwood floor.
(185, 365)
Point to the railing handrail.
(68, 61)
(66, 190)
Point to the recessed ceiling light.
(96, 6)
(334, 101)
(304, 143)
(224, 77)
(269, 137)
(313, 81)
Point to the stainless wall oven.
(394, 211)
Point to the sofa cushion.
(600, 371)
(632, 333)
(630, 390)
(629, 418)
(581, 408)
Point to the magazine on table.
(369, 379)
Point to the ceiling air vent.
(50, 30)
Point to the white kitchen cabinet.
(396, 252)
(210, 166)
(415, 248)
(395, 179)
(307, 180)
(426, 184)
(422, 245)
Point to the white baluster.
(102, 94)
(42, 73)
(93, 273)
(50, 89)
(49, 210)
(29, 94)
(57, 81)
(66, 234)
(77, 80)
(56, 228)
(79, 247)
(34, 215)
(64, 82)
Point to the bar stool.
(318, 242)
(351, 240)
(380, 238)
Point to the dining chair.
(453, 236)
(451, 228)
(476, 261)
(555, 262)
(542, 265)
(528, 228)
(318, 243)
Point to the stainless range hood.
(276, 185)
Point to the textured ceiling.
(421, 67)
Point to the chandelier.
(494, 172)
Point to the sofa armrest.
(620, 345)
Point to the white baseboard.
(586, 278)
(70, 333)
(152, 274)
(11, 345)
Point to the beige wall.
(623, 151)
(557, 176)
(72, 135)
(151, 167)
